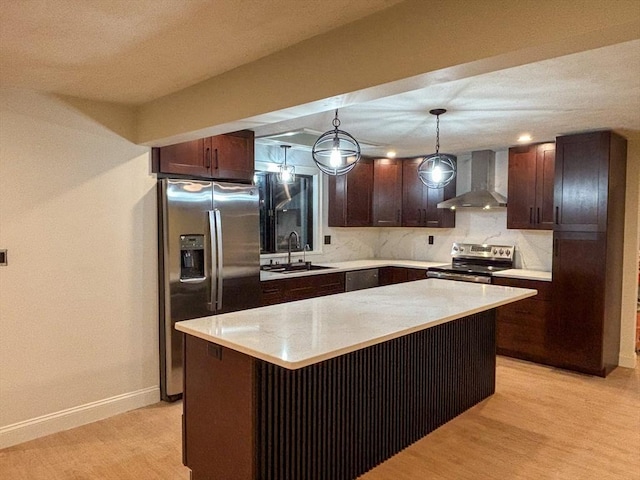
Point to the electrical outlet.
(327, 239)
(3, 258)
(430, 239)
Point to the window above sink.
(288, 207)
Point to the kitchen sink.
(293, 267)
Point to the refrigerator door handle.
(220, 258)
(215, 232)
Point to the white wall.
(78, 299)
(628, 357)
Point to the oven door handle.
(459, 276)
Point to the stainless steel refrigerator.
(209, 260)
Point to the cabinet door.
(435, 217)
(545, 181)
(576, 329)
(273, 292)
(420, 203)
(387, 192)
(231, 155)
(416, 274)
(581, 171)
(521, 204)
(392, 275)
(185, 158)
(522, 327)
(350, 196)
(413, 206)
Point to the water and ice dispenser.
(192, 257)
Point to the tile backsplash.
(533, 248)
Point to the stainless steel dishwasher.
(360, 279)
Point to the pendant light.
(335, 151)
(438, 169)
(286, 173)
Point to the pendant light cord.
(437, 134)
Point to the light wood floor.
(542, 423)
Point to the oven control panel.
(485, 251)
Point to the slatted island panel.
(333, 405)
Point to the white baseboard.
(74, 417)
(627, 361)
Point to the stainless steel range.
(476, 263)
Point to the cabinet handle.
(216, 150)
(557, 215)
(530, 215)
(207, 158)
(538, 215)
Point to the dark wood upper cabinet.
(350, 196)
(387, 192)
(420, 203)
(587, 180)
(229, 157)
(232, 155)
(185, 158)
(531, 187)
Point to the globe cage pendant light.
(336, 152)
(438, 169)
(286, 173)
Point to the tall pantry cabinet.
(589, 203)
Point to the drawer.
(525, 312)
(521, 341)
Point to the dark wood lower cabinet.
(300, 288)
(585, 332)
(247, 419)
(522, 327)
(391, 275)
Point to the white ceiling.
(135, 51)
(598, 89)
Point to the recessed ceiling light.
(524, 138)
(391, 154)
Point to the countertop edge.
(523, 274)
(335, 267)
(525, 293)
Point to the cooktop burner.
(479, 259)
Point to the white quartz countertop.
(298, 334)
(524, 274)
(352, 265)
(363, 264)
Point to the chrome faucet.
(293, 234)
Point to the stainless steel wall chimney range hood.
(482, 194)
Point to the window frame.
(317, 196)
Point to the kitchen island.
(329, 387)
